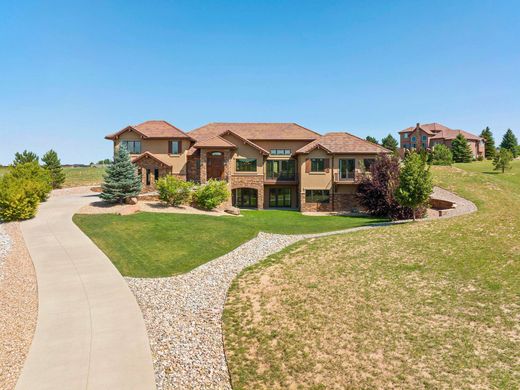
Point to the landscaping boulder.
(132, 200)
(232, 210)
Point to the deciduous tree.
(415, 183)
(502, 160)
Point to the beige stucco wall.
(159, 147)
(244, 150)
(314, 180)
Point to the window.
(281, 169)
(133, 147)
(246, 165)
(414, 146)
(368, 162)
(175, 147)
(423, 145)
(317, 196)
(281, 152)
(245, 197)
(406, 135)
(156, 174)
(424, 138)
(347, 168)
(216, 153)
(414, 138)
(317, 165)
(147, 177)
(406, 146)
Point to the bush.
(17, 202)
(441, 155)
(376, 191)
(35, 179)
(210, 195)
(174, 191)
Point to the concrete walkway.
(90, 332)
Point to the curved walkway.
(183, 313)
(90, 332)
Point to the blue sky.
(72, 72)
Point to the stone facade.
(346, 202)
(311, 207)
(193, 169)
(151, 164)
(256, 182)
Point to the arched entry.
(245, 197)
(215, 169)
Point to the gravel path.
(183, 313)
(464, 206)
(18, 303)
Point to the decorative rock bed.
(183, 313)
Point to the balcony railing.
(282, 177)
(350, 177)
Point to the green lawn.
(160, 244)
(428, 305)
(80, 176)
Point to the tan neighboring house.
(426, 136)
(267, 165)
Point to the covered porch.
(150, 169)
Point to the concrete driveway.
(90, 332)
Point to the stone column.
(203, 166)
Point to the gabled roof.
(439, 131)
(256, 131)
(342, 143)
(246, 141)
(214, 142)
(152, 129)
(152, 156)
(452, 134)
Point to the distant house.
(266, 165)
(426, 136)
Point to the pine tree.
(53, 164)
(490, 143)
(390, 143)
(415, 183)
(510, 142)
(372, 139)
(460, 149)
(25, 157)
(121, 181)
(502, 160)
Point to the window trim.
(246, 160)
(315, 160)
(276, 152)
(134, 142)
(309, 196)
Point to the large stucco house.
(267, 165)
(426, 136)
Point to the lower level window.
(317, 196)
(246, 165)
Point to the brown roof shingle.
(214, 142)
(153, 129)
(441, 132)
(256, 131)
(339, 143)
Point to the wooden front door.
(215, 165)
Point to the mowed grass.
(160, 244)
(76, 176)
(427, 305)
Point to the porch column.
(203, 166)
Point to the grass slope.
(427, 305)
(160, 244)
(80, 176)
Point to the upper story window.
(175, 147)
(133, 147)
(347, 168)
(246, 165)
(281, 152)
(414, 138)
(424, 138)
(406, 135)
(281, 169)
(317, 165)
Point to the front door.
(215, 168)
(280, 197)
